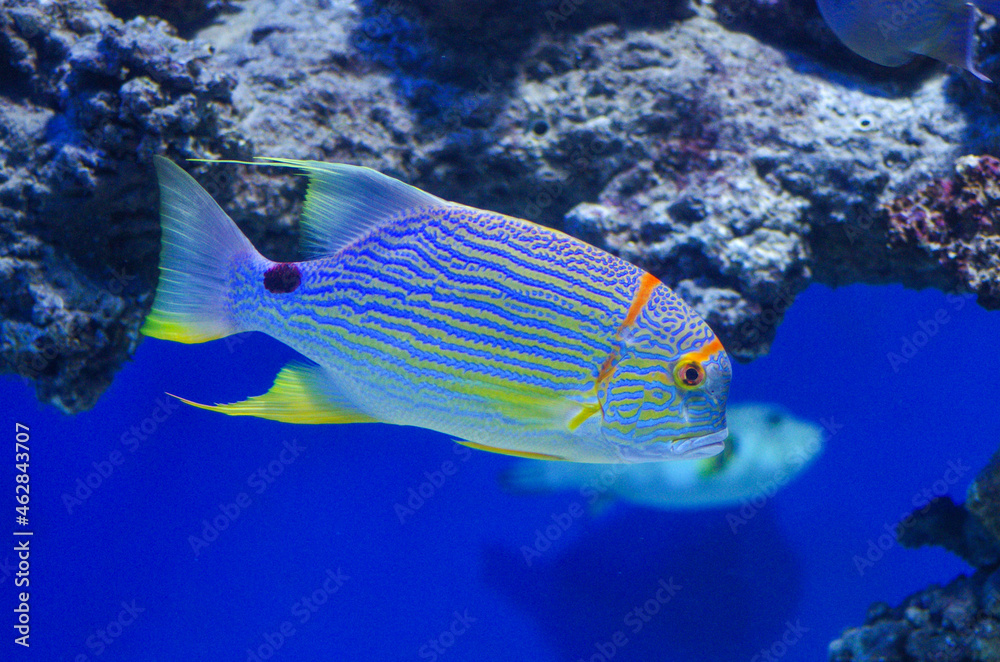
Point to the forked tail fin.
(199, 245)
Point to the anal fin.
(506, 451)
(301, 393)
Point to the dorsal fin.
(344, 202)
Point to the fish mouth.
(703, 446)
(685, 449)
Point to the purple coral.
(956, 223)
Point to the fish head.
(666, 392)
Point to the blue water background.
(332, 508)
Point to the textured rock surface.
(959, 622)
(944, 523)
(86, 101)
(952, 226)
(736, 172)
(185, 15)
(983, 496)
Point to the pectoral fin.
(533, 407)
(301, 393)
(586, 411)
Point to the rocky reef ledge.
(959, 622)
(736, 170)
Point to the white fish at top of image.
(892, 32)
(766, 449)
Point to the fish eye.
(689, 374)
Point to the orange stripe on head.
(707, 351)
(647, 283)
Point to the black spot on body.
(282, 278)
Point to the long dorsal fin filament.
(344, 202)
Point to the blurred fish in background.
(892, 32)
(767, 447)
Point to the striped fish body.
(507, 335)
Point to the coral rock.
(953, 226)
(983, 496)
(952, 623)
(87, 100)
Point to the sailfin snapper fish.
(892, 32)
(509, 336)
